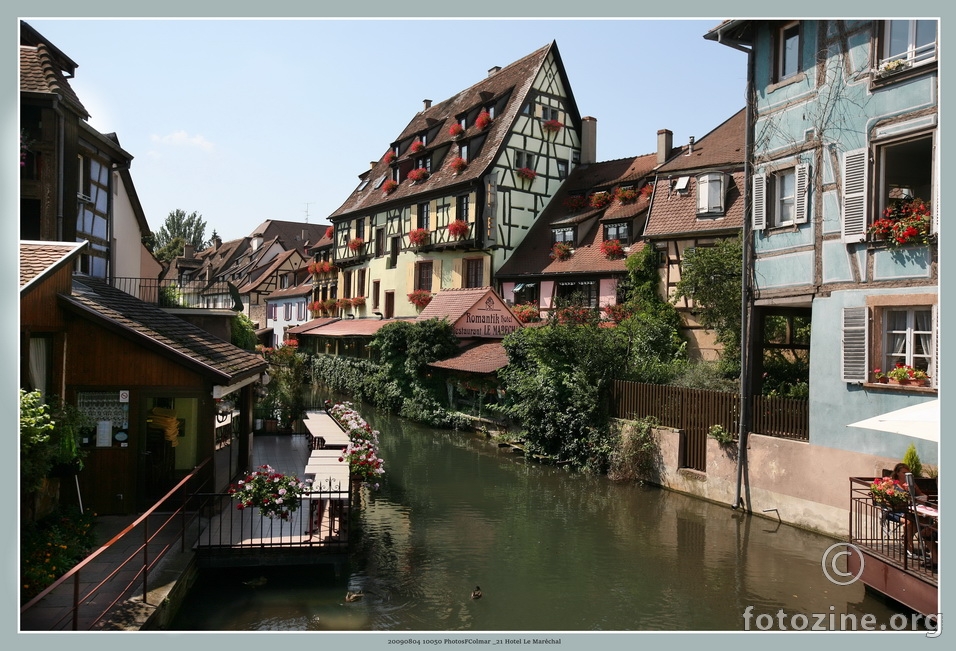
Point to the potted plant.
(418, 236)
(417, 147)
(356, 243)
(904, 222)
(904, 374)
(483, 120)
(526, 173)
(892, 67)
(889, 493)
(420, 298)
(560, 251)
(458, 164)
(358, 301)
(880, 376)
(552, 126)
(418, 175)
(274, 494)
(626, 195)
(343, 303)
(600, 199)
(390, 157)
(328, 306)
(458, 228)
(389, 186)
(456, 130)
(315, 308)
(612, 249)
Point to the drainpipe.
(745, 294)
(60, 145)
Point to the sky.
(253, 119)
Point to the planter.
(911, 382)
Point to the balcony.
(193, 294)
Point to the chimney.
(665, 142)
(492, 71)
(690, 147)
(588, 140)
(427, 103)
(216, 242)
(256, 241)
(188, 251)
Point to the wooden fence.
(695, 411)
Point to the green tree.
(711, 278)
(178, 230)
(243, 332)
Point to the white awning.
(920, 421)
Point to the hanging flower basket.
(561, 251)
(418, 236)
(600, 199)
(390, 157)
(458, 228)
(552, 126)
(417, 147)
(458, 164)
(328, 306)
(526, 173)
(456, 130)
(483, 120)
(904, 222)
(356, 243)
(575, 202)
(274, 494)
(389, 186)
(329, 232)
(626, 195)
(420, 298)
(343, 303)
(315, 308)
(418, 175)
(612, 249)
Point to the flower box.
(328, 306)
(417, 147)
(904, 222)
(329, 232)
(889, 493)
(420, 298)
(575, 202)
(389, 186)
(552, 126)
(418, 236)
(458, 164)
(890, 68)
(527, 312)
(600, 199)
(458, 228)
(907, 375)
(390, 157)
(418, 175)
(356, 243)
(343, 303)
(456, 130)
(612, 249)
(626, 195)
(560, 251)
(483, 120)
(526, 173)
(274, 494)
(358, 301)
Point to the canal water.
(552, 550)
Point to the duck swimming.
(353, 596)
(476, 593)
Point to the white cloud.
(181, 138)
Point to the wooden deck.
(317, 532)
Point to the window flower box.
(575, 202)
(458, 164)
(903, 374)
(552, 126)
(420, 298)
(560, 251)
(328, 306)
(626, 195)
(389, 186)
(612, 249)
(418, 236)
(356, 243)
(390, 157)
(483, 120)
(343, 303)
(458, 228)
(600, 199)
(456, 130)
(904, 222)
(417, 147)
(418, 175)
(526, 173)
(890, 68)
(358, 301)
(315, 308)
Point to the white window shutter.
(759, 202)
(802, 194)
(854, 195)
(855, 344)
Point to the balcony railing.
(172, 293)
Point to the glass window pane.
(898, 39)
(925, 32)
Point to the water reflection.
(552, 551)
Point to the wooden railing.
(159, 530)
(696, 410)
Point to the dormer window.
(425, 162)
(565, 234)
(680, 186)
(711, 193)
(620, 231)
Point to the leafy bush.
(51, 547)
(637, 454)
(243, 332)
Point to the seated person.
(927, 531)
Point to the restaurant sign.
(489, 319)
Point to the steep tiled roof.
(261, 276)
(303, 288)
(452, 304)
(675, 213)
(533, 256)
(155, 327)
(479, 358)
(514, 80)
(37, 259)
(299, 235)
(307, 327)
(40, 73)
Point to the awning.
(920, 421)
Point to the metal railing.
(194, 294)
(128, 565)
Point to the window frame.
(611, 232)
(423, 215)
(564, 231)
(524, 159)
(423, 275)
(911, 55)
(706, 179)
(781, 51)
(767, 200)
(473, 273)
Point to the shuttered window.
(801, 193)
(759, 202)
(854, 195)
(855, 344)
